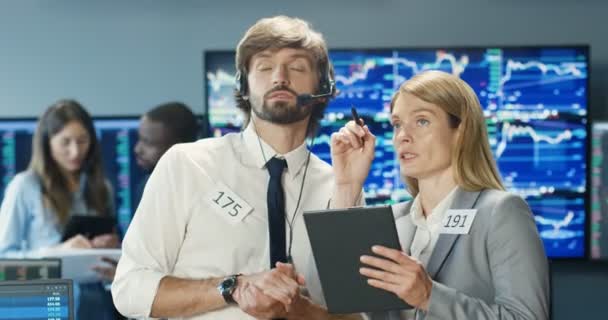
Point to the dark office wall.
(579, 290)
(122, 57)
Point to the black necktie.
(276, 211)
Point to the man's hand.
(303, 308)
(289, 270)
(269, 294)
(255, 303)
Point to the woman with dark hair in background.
(65, 177)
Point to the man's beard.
(281, 112)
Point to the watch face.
(226, 287)
(228, 283)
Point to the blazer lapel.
(462, 200)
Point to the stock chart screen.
(535, 102)
(16, 147)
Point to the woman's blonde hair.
(474, 165)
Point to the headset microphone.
(303, 100)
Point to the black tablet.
(338, 238)
(88, 226)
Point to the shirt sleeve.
(360, 202)
(155, 236)
(13, 219)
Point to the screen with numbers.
(36, 300)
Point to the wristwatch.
(227, 286)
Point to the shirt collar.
(296, 159)
(437, 214)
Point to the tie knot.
(275, 167)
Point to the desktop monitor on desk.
(37, 299)
(29, 269)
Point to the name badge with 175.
(227, 203)
(458, 221)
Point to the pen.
(356, 119)
(356, 116)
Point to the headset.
(327, 86)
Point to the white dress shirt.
(427, 233)
(178, 231)
(427, 227)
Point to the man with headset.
(220, 218)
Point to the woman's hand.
(108, 240)
(76, 242)
(108, 271)
(399, 274)
(352, 153)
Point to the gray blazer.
(497, 271)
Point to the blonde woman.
(489, 265)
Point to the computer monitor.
(16, 148)
(535, 101)
(599, 191)
(117, 137)
(29, 269)
(221, 111)
(37, 299)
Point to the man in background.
(159, 129)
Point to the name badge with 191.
(458, 221)
(227, 203)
